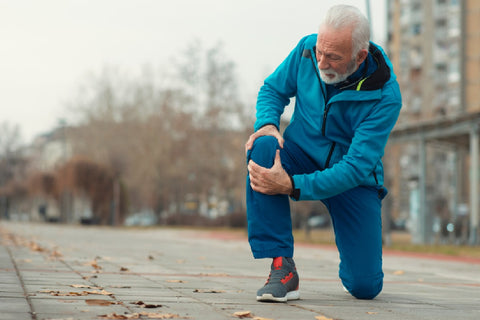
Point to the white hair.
(345, 16)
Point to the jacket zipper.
(325, 111)
(324, 123)
(327, 163)
(327, 106)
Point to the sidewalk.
(73, 272)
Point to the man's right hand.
(268, 130)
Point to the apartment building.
(432, 160)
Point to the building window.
(416, 29)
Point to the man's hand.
(270, 181)
(268, 130)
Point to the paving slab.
(54, 271)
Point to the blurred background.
(136, 112)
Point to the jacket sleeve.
(364, 153)
(278, 88)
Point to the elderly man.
(346, 103)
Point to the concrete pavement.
(73, 272)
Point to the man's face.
(334, 54)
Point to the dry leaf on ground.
(208, 291)
(243, 314)
(176, 281)
(119, 316)
(398, 272)
(103, 292)
(85, 286)
(36, 247)
(152, 315)
(322, 318)
(99, 302)
(146, 305)
(57, 293)
(95, 265)
(55, 254)
(261, 318)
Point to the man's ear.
(361, 56)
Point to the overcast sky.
(48, 47)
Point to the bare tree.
(167, 140)
(12, 166)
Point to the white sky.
(48, 47)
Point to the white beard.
(332, 80)
(337, 77)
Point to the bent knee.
(265, 142)
(365, 288)
(263, 150)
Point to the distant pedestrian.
(347, 101)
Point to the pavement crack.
(22, 283)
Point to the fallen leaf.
(208, 291)
(84, 286)
(57, 293)
(98, 302)
(123, 269)
(152, 306)
(150, 258)
(145, 305)
(152, 315)
(370, 312)
(261, 318)
(176, 281)
(398, 272)
(120, 316)
(35, 247)
(322, 318)
(55, 254)
(95, 265)
(243, 314)
(103, 292)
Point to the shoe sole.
(292, 295)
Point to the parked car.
(319, 221)
(143, 218)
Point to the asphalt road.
(50, 271)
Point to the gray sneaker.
(282, 283)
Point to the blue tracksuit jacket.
(345, 135)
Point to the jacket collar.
(364, 79)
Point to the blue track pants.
(355, 214)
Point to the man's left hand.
(270, 181)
